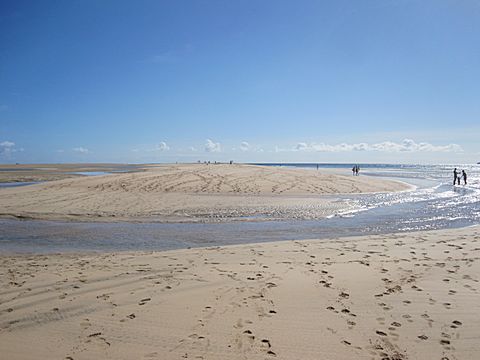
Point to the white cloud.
(407, 145)
(211, 146)
(191, 148)
(81, 150)
(301, 146)
(8, 147)
(7, 144)
(244, 146)
(247, 147)
(163, 146)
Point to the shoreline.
(397, 296)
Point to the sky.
(391, 81)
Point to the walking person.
(353, 170)
(464, 176)
(357, 169)
(455, 176)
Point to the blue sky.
(163, 81)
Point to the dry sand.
(190, 193)
(399, 296)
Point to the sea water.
(434, 203)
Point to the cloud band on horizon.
(407, 145)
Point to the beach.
(189, 192)
(396, 296)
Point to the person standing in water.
(455, 176)
(464, 176)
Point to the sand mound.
(174, 192)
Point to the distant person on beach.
(357, 169)
(353, 170)
(464, 175)
(455, 176)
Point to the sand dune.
(399, 296)
(189, 192)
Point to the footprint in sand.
(325, 284)
(144, 301)
(249, 334)
(445, 339)
(266, 342)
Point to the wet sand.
(196, 192)
(10, 173)
(398, 296)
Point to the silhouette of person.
(464, 175)
(353, 170)
(357, 169)
(455, 176)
